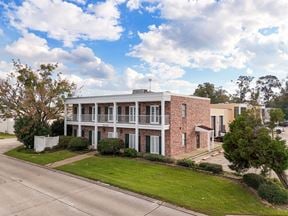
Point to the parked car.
(284, 124)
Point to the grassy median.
(201, 192)
(40, 158)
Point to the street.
(30, 190)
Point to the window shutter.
(90, 110)
(148, 144)
(98, 135)
(160, 110)
(119, 110)
(106, 110)
(147, 114)
(126, 140)
(82, 110)
(139, 144)
(99, 110)
(160, 145)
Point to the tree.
(39, 93)
(57, 127)
(276, 116)
(34, 94)
(217, 95)
(267, 86)
(249, 144)
(243, 83)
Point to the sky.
(114, 46)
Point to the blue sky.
(111, 46)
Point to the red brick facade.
(197, 113)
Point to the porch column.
(96, 126)
(114, 120)
(212, 134)
(136, 126)
(209, 142)
(79, 120)
(65, 119)
(162, 127)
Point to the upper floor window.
(132, 114)
(183, 139)
(110, 113)
(184, 110)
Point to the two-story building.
(155, 122)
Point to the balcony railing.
(123, 119)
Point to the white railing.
(124, 119)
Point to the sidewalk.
(71, 160)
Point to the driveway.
(31, 190)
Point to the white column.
(79, 120)
(162, 127)
(65, 119)
(96, 126)
(136, 126)
(114, 120)
(213, 143)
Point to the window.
(154, 144)
(184, 110)
(183, 139)
(110, 114)
(132, 114)
(154, 114)
(111, 135)
(132, 141)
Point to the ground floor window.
(132, 143)
(154, 145)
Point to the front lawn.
(5, 135)
(201, 192)
(40, 158)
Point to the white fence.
(7, 126)
(42, 142)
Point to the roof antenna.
(150, 81)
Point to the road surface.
(30, 190)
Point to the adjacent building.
(161, 123)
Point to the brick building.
(160, 123)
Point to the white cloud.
(80, 60)
(68, 22)
(5, 68)
(218, 35)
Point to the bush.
(214, 168)
(78, 144)
(186, 163)
(273, 193)
(110, 146)
(129, 152)
(253, 180)
(57, 127)
(26, 128)
(64, 142)
(158, 158)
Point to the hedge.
(110, 146)
(253, 180)
(78, 144)
(186, 163)
(158, 158)
(273, 193)
(211, 167)
(64, 142)
(129, 152)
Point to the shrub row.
(211, 167)
(73, 143)
(110, 146)
(267, 190)
(158, 158)
(186, 163)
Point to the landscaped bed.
(213, 195)
(40, 158)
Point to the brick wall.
(198, 113)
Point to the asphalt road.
(26, 189)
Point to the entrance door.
(154, 114)
(213, 124)
(198, 139)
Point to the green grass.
(5, 135)
(40, 158)
(198, 191)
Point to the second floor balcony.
(121, 119)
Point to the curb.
(111, 187)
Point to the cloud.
(217, 35)
(5, 68)
(67, 22)
(1, 32)
(80, 60)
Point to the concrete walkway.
(32, 190)
(71, 160)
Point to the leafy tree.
(276, 116)
(26, 128)
(57, 127)
(37, 95)
(243, 83)
(249, 144)
(217, 95)
(267, 86)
